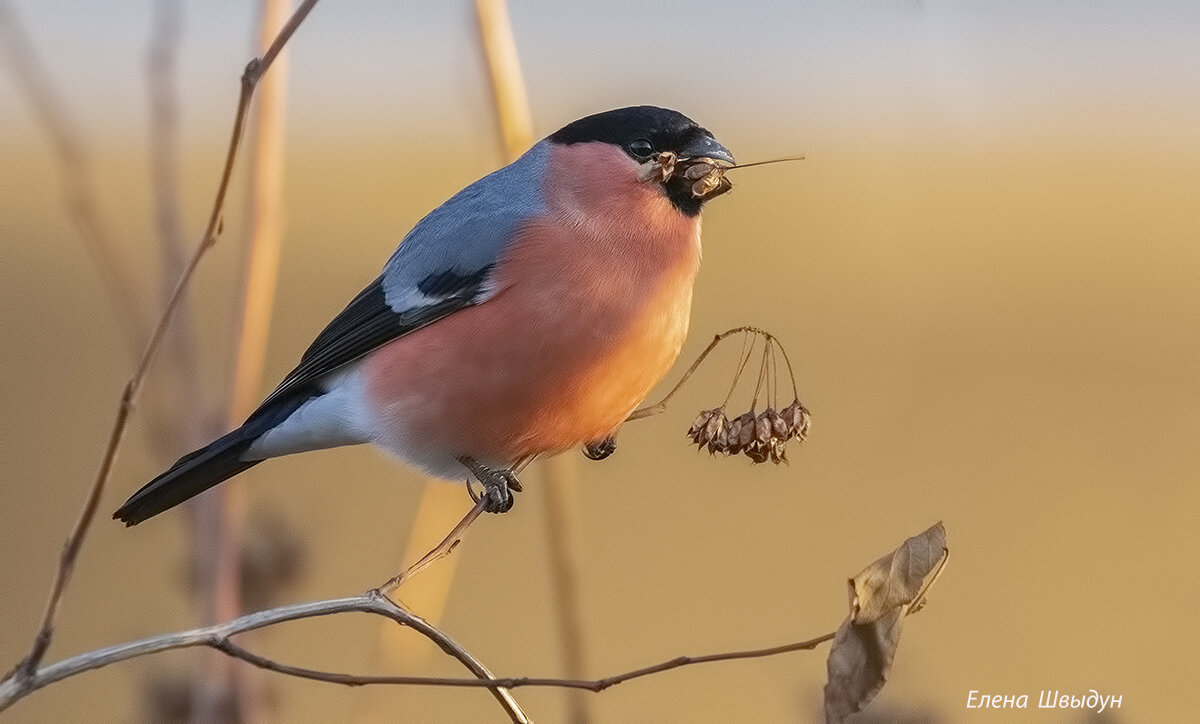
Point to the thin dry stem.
(218, 637)
(441, 550)
(661, 405)
(592, 685)
(219, 539)
(748, 342)
(562, 510)
(18, 686)
(253, 72)
(764, 163)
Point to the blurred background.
(985, 273)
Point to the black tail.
(214, 463)
(191, 475)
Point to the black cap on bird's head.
(680, 153)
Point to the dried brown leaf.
(895, 579)
(859, 663)
(866, 642)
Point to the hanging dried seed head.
(762, 427)
(779, 428)
(759, 436)
(666, 164)
(746, 433)
(757, 452)
(711, 429)
(778, 450)
(705, 176)
(717, 431)
(797, 419)
(732, 446)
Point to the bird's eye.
(641, 148)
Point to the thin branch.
(441, 550)
(515, 682)
(254, 71)
(220, 518)
(16, 687)
(218, 637)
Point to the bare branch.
(16, 686)
(254, 71)
(218, 637)
(592, 685)
(441, 550)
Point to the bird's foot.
(600, 449)
(499, 484)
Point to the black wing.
(368, 323)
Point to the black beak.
(705, 146)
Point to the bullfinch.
(526, 316)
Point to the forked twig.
(218, 637)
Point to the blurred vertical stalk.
(171, 431)
(441, 505)
(504, 70)
(80, 191)
(560, 476)
(219, 535)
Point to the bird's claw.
(499, 484)
(600, 449)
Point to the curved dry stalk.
(254, 71)
(661, 405)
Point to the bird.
(526, 316)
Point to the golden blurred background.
(985, 273)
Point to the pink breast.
(592, 312)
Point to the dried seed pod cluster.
(760, 437)
(706, 177)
